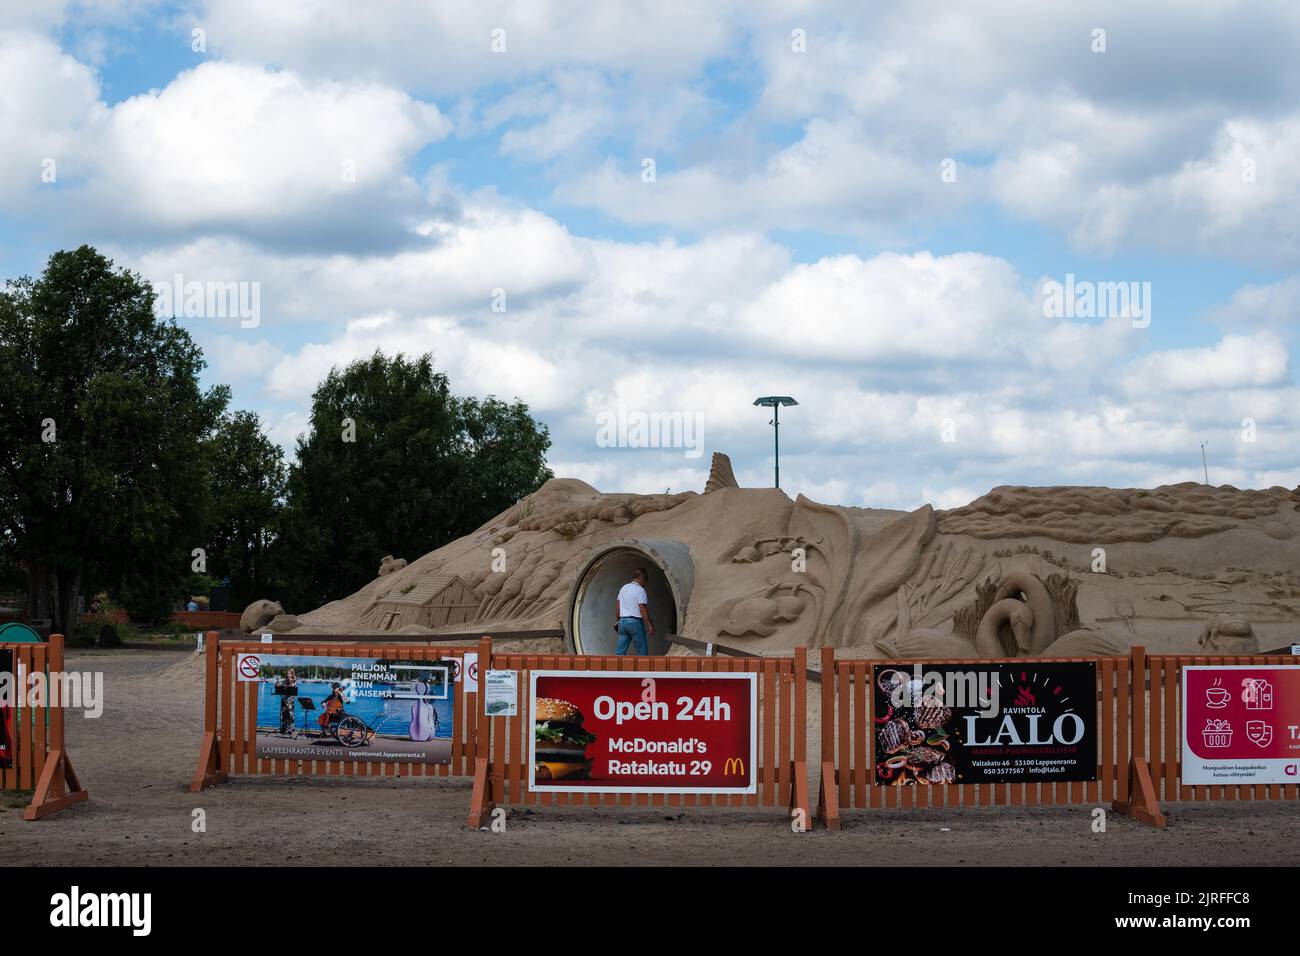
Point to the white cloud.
(1274, 305)
(1237, 361)
(49, 13)
(1143, 146)
(456, 268)
(235, 358)
(447, 47)
(49, 106)
(1139, 147)
(890, 307)
(223, 148)
(226, 143)
(1233, 199)
(912, 371)
(837, 177)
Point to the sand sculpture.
(1019, 571)
(259, 614)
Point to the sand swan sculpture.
(928, 643)
(1040, 639)
(1022, 621)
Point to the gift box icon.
(1217, 733)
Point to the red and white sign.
(1241, 725)
(467, 671)
(248, 666)
(644, 732)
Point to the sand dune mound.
(750, 568)
(1087, 515)
(566, 505)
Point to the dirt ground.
(138, 758)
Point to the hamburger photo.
(561, 742)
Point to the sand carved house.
(434, 601)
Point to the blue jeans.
(632, 629)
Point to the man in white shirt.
(632, 610)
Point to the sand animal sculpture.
(1229, 634)
(761, 616)
(259, 614)
(1018, 615)
(1044, 637)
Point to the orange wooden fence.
(501, 776)
(230, 714)
(206, 620)
(1139, 737)
(1163, 674)
(38, 755)
(849, 745)
(1139, 742)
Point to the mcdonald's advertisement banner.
(643, 732)
(939, 724)
(1241, 725)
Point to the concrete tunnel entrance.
(591, 601)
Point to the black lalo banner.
(1002, 723)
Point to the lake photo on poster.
(357, 708)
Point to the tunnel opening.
(592, 601)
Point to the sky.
(633, 215)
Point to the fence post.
(209, 771)
(58, 786)
(57, 726)
(828, 805)
(1141, 803)
(799, 792)
(482, 799)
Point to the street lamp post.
(775, 402)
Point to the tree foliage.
(247, 482)
(115, 464)
(424, 468)
(102, 425)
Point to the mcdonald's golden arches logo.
(734, 765)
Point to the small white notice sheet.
(501, 694)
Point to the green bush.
(86, 633)
(169, 629)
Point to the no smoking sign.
(468, 671)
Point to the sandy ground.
(138, 758)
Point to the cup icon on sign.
(1216, 697)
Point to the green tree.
(102, 425)
(423, 468)
(248, 480)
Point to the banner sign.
(352, 708)
(643, 732)
(995, 723)
(1241, 725)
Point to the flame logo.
(1025, 697)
